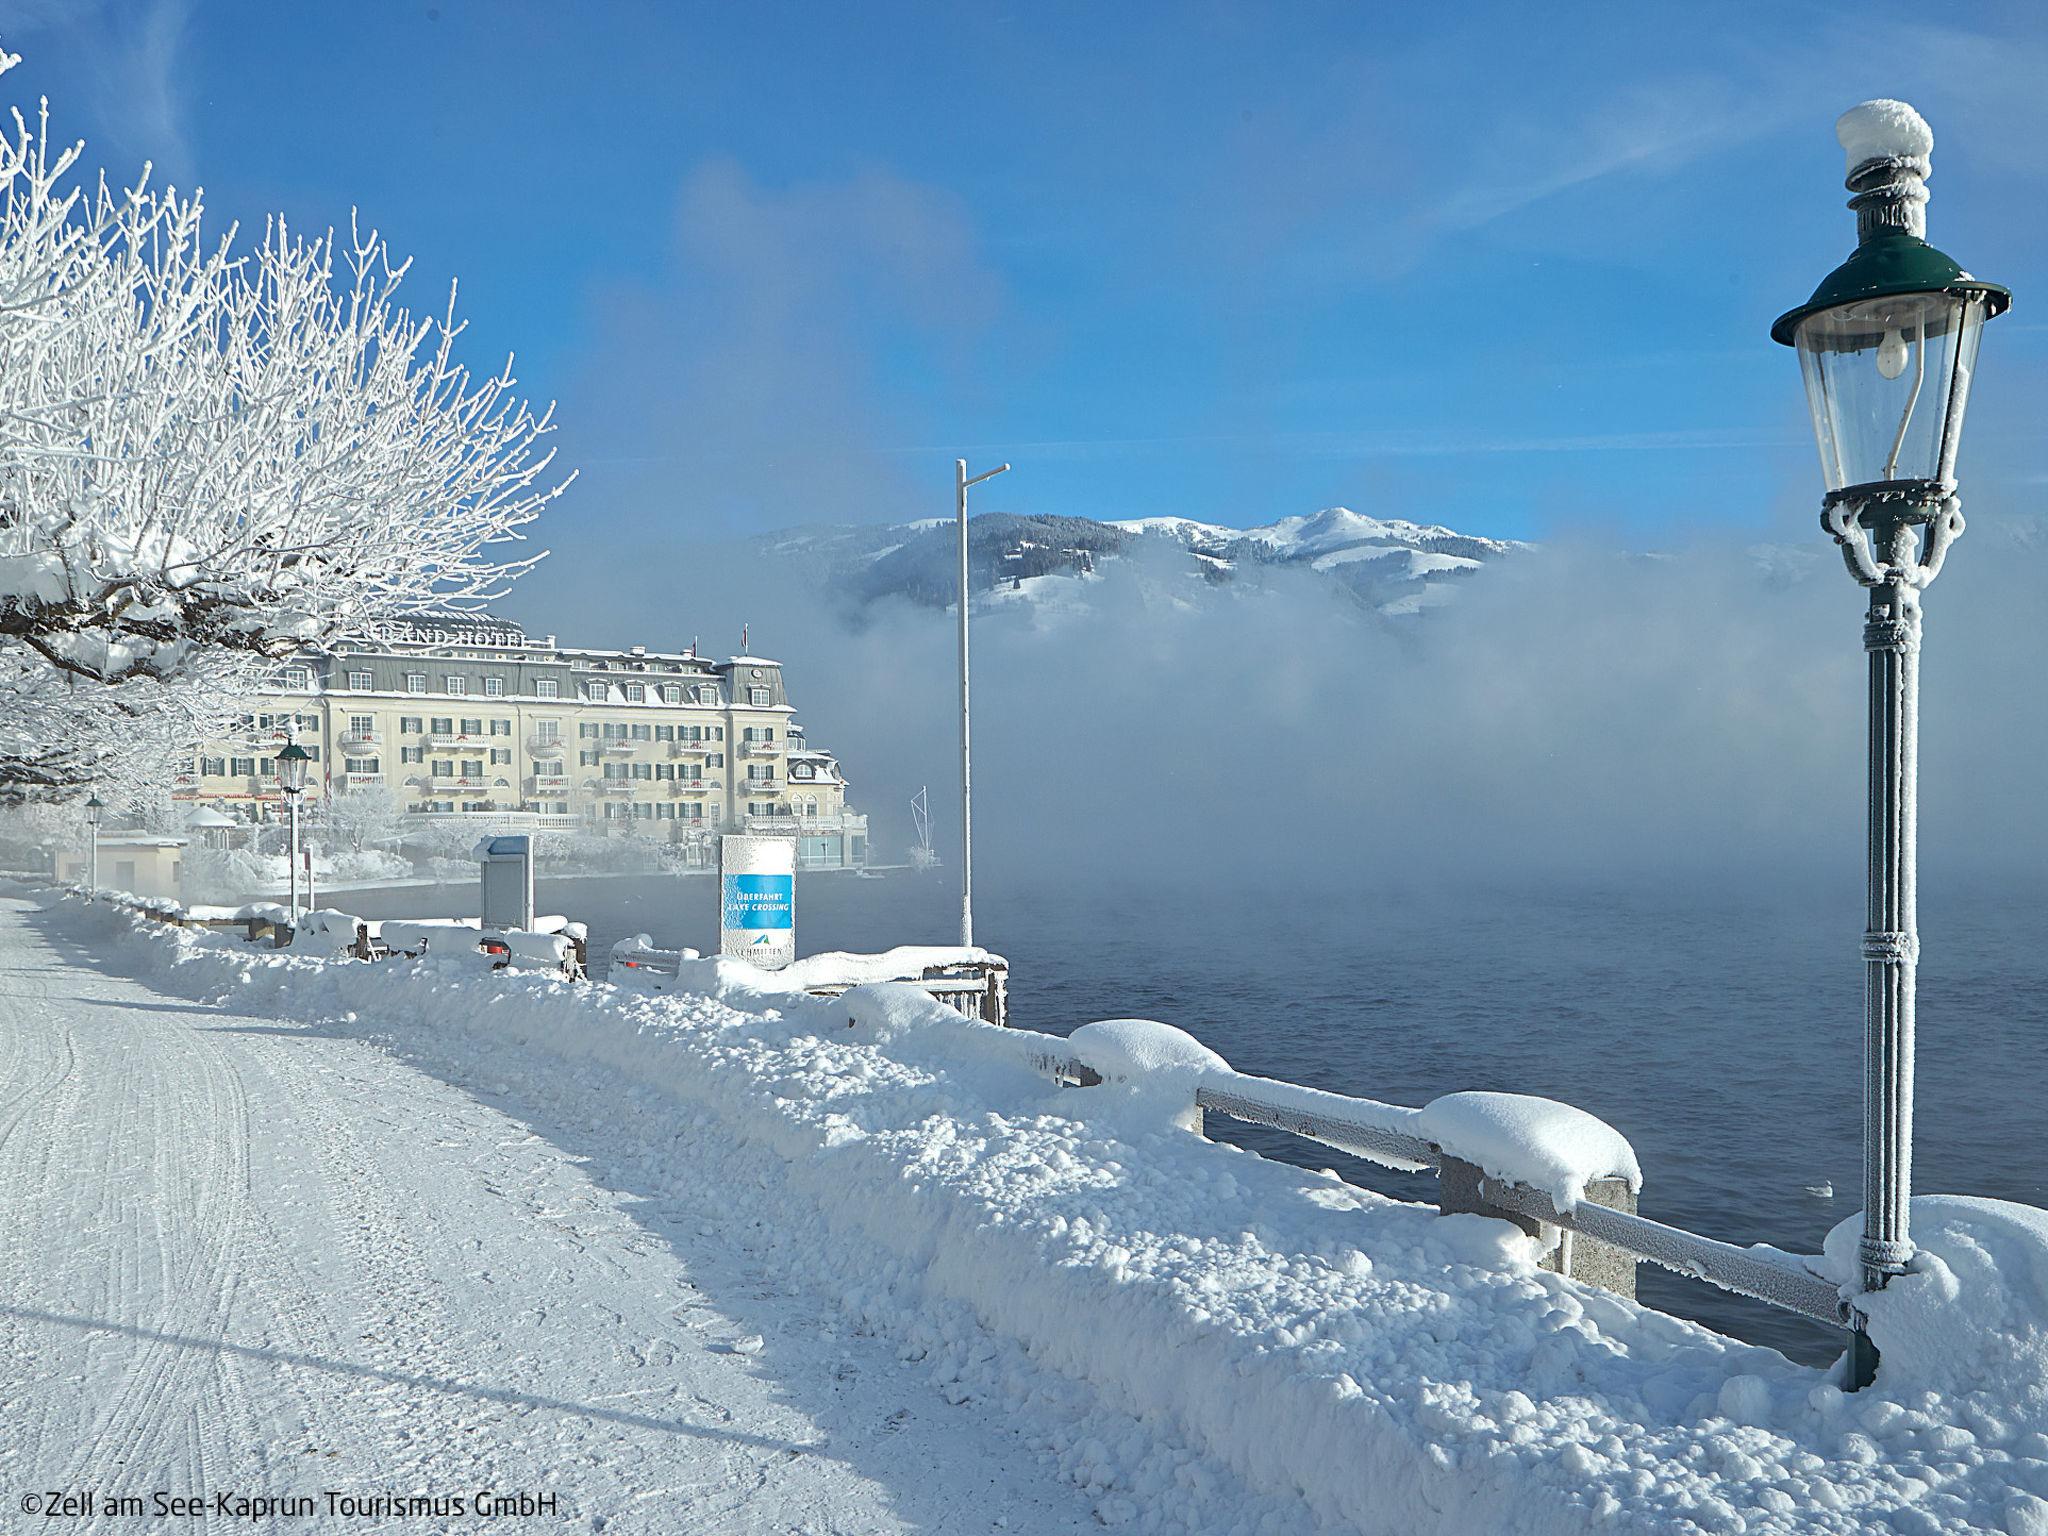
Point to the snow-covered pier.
(771, 1260)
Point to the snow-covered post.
(1888, 346)
(961, 483)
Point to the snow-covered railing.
(970, 981)
(1548, 1167)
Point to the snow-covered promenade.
(724, 1259)
(250, 1257)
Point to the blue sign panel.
(760, 901)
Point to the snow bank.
(1539, 1142)
(1204, 1339)
(1969, 1320)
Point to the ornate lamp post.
(291, 778)
(1888, 346)
(95, 807)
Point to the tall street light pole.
(95, 807)
(1888, 348)
(291, 778)
(966, 728)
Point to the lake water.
(1722, 1037)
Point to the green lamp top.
(292, 752)
(1889, 264)
(1889, 150)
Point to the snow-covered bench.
(970, 981)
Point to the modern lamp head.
(291, 767)
(1888, 342)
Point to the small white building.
(140, 863)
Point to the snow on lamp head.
(1888, 342)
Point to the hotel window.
(714, 759)
(707, 693)
(586, 759)
(666, 811)
(587, 728)
(635, 694)
(412, 754)
(760, 771)
(547, 730)
(545, 688)
(664, 770)
(664, 733)
(759, 697)
(642, 733)
(472, 767)
(457, 685)
(478, 805)
(642, 811)
(594, 692)
(243, 766)
(614, 730)
(444, 768)
(643, 770)
(444, 725)
(671, 694)
(615, 770)
(217, 767)
(501, 754)
(472, 727)
(362, 725)
(355, 680)
(415, 682)
(297, 679)
(494, 687)
(312, 754)
(501, 727)
(409, 725)
(361, 765)
(802, 771)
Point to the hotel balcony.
(760, 748)
(759, 786)
(692, 786)
(353, 739)
(548, 784)
(689, 748)
(457, 741)
(545, 746)
(619, 748)
(615, 786)
(475, 785)
(348, 781)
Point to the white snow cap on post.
(1127, 1050)
(1526, 1140)
(1891, 130)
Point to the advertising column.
(757, 894)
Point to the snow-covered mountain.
(1390, 564)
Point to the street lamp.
(291, 778)
(95, 807)
(1888, 347)
(961, 483)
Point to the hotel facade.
(471, 720)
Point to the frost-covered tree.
(368, 816)
(206, 448)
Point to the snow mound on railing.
(1131, 1048)
(1969, 1318)
(1549, 1146)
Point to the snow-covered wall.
(1213, 1341)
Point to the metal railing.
(1370, 1130)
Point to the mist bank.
(1574, 715)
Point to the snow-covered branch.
(207, 448)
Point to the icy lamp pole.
(95, 807)
(1887, 345)
(291, 778)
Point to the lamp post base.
(1859, 1368)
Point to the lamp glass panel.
(1887, 380)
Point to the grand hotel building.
(471, 719)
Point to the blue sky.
(1501, 266)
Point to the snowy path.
(267, 1259)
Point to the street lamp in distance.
(95, 808)
(291, 778)
(1888, 348)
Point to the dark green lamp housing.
(94, 807)
(291, 767)
(1888, 342)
